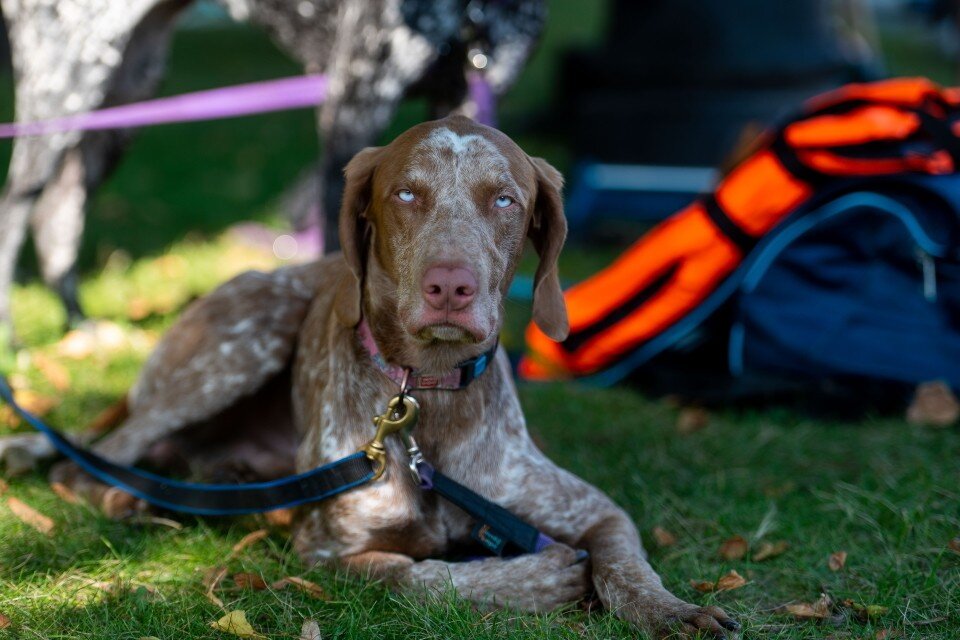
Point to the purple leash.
(227, 102)
(297, 92)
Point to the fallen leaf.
(310, 630)
(887, 634)
(3, 486)
(731, 581)
(663, 538)
(819, 609)
(30, 516)
(703, 586)
(734, 548)
(837, 560)
(64, 492)
(55, 373)
(139, 308)
(35, 403)
(212, 578)
(145, 520)
(249, 581)
(766, 550)
(692, 419)
(279, 518)
(248, 540)
(235, 623)
(109, 417)
(953, 545)
(9, 417)
(6, 622)
(933, 405)
(728, 582)
(310, 588)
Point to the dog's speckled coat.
(229, 344)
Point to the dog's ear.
(354, 231)
(548, 230)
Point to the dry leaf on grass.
(3, 486)
(310, 630)
(312, 589)
(55, 373)
(767, 550)
(64, 492)
(819, 610)
(247, 540)
(30, 516)
(235, 623)
(837, 560)
(728, 582)
(35, 403)
(692, 419)
(279, 518)
(887, 634)
(6, 622)
(109, 418)
(733, 548)
(249, 581)
(933, 405)
(212, 578)
(157, 521)
(953, 545)
(663, 538)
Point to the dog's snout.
(449, 287)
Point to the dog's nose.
(450, 288)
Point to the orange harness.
(858, 131)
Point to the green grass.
(879, 489)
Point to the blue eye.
(406, 195)
(503, 202)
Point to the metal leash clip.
(402, 412)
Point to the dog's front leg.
(579, 514)
(537, 582)
(630, 588)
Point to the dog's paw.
(543, 581)
(670, 617)
(114, 503)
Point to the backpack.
(831, 250)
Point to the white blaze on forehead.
(444, 138)
(483, 154)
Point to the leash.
(284, 94)
(498, 530)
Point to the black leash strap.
(208, 499)
(497, 529)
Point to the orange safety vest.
(904, 125)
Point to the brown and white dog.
(267, 375)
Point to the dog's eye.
(406, 195)
(503, 202)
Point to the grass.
(877, 488)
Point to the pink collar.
(457, 378)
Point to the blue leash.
(207, 499)
(500, 531)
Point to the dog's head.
(435, 224)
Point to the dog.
(75, 56)
(273, 374)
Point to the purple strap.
(227, 102)
(482, 95)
